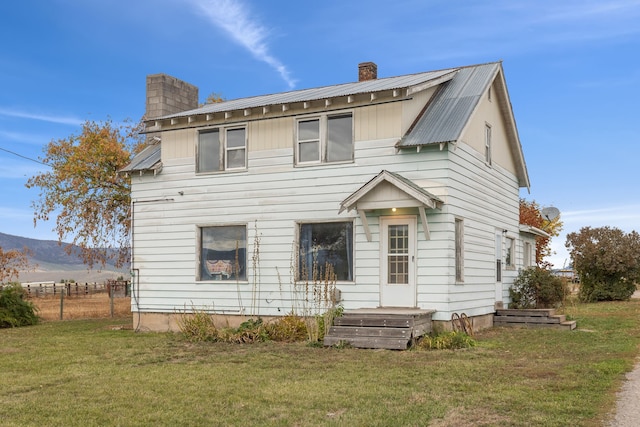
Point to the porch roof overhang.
(524, 228)
(389, 190)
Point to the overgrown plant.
(537, 287)
(15, 310)
(255, 263)
(289, 328)
(445, 341)
(319, 296)
(197, 325)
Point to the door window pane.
(398, 256)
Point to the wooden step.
(355, 331)
(369, 342)
(532, 318)
(390, 328)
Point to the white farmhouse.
(405, 188)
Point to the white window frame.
(459, 250)
(199, 253)
(224, 149)
(322, 140)
(299, 224)
(510, 253)
(527, 254)
(487, 144)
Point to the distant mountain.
(43, 252)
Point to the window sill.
(323, 164)
(222, 282)
(228, 171)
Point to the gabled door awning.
(390, 190)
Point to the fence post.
(61, 302)
(111, 299)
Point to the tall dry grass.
(94, 306)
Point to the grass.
(92, 306)
(100, 372)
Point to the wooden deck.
(387, 327)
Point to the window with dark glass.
(325, 139)
(223, 253)
(325, 247)
(222, 149)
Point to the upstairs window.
(222, 149)
(325, 139)
(487, 144)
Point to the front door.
(398, 261)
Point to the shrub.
(249, 331)
(592, 290)
(445, 341)
(536, 287)
(14, 309)
(197, 326)
(290, 328)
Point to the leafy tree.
(91, 200)
(12, 262)
(530, 214)
(608, 262)
(213, 98)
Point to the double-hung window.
(325, 247)
(324, 139)
(222, 149)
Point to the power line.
(24, 157)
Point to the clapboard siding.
(273, 196)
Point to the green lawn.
(85, 373)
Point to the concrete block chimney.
(168, 95)
(367, 71)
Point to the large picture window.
(325, 139)
(223, 253)
(222, 149)
(323, 244)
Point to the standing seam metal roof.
(388, 83)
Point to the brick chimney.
(367, 71)
(168, 95)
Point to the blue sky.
(572, 68)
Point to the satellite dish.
(550, 213)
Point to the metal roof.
(313, 94)
(147, 159)
(452, 106)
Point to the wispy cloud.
(234, 18)
(625, 217)
(63, 120)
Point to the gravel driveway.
(628, 407)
